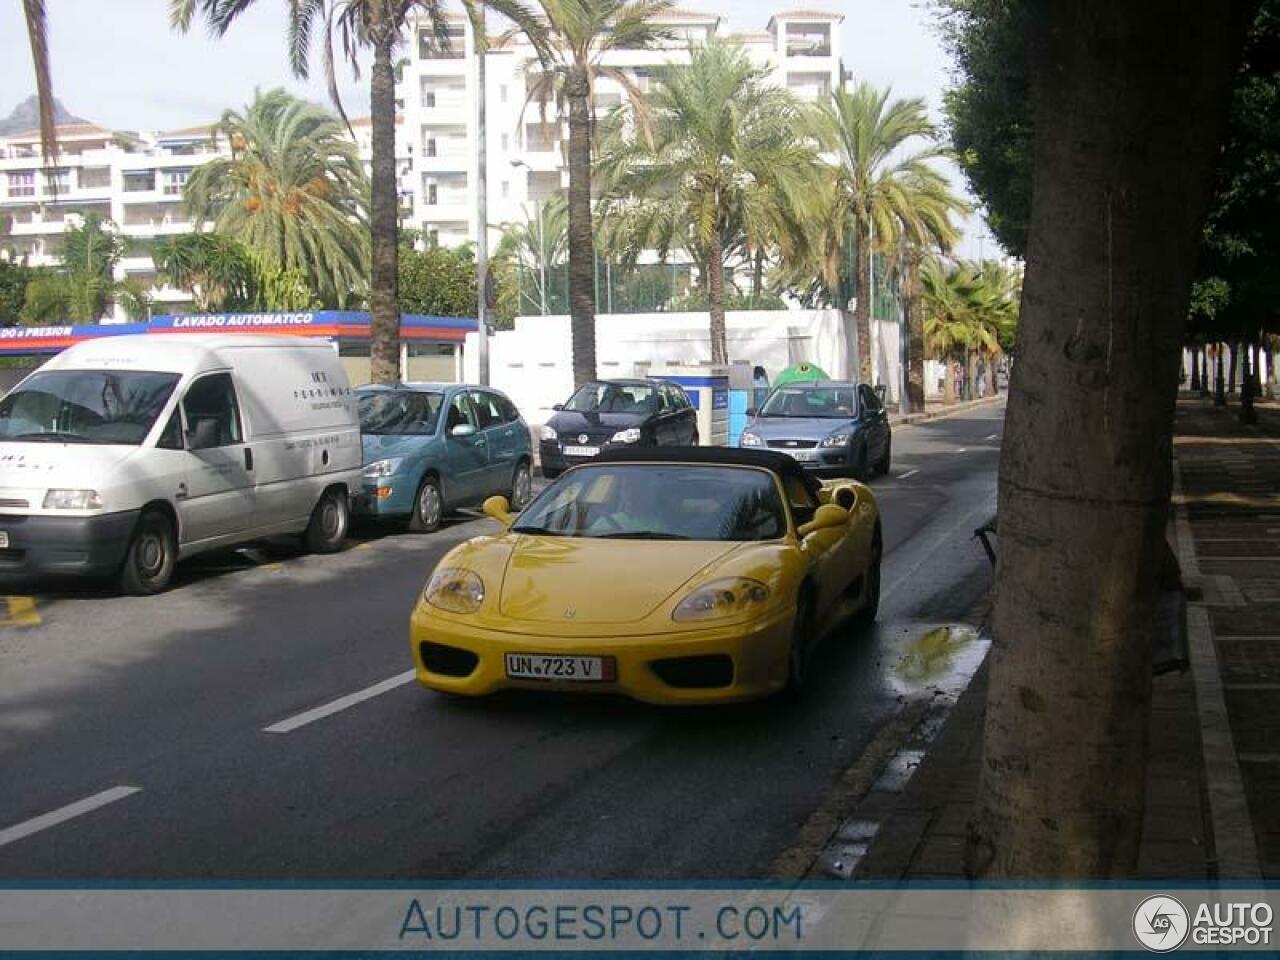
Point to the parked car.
(829, 426)
(432, 447)
(124, 454)
(616, 413)
(700, 575)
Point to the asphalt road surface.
(182, 736)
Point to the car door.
(875, 421)
(664, 420)
(466, 453)
(686, 416)
(500, 440)
(217, 499)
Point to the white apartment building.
(135, 180)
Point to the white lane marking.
(993, 436)
(909, 473)
(962, 449)
(342, 703)
(72, 810)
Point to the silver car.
(834, 428)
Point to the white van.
(124, 454)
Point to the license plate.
(541, 666)
(802, 454)
(581, 451)
(4, 539)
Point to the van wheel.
(148, 563)
(521, 486)
(428, 507)
(328, 527)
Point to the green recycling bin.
(801, 372)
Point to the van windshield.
(85, 406)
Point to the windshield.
(400, 411)
(85, 406)
(659, 502)
(835, 403)
(612, 398)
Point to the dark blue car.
(433, 447)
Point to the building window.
(432, 195)
(429, 98)
(95, 178)
(174, 181)
(506, 141)
(429, 48)
(431, 147)
(502, 93)
(433, 237)
(22, 183)
(140, 181)
(506, 189)
(57, 181)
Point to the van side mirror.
(752, 411)
(498, 508)
(204, 434)
(463, 430)
(824, 518)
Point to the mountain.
(26, 116)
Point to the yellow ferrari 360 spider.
(694, 575)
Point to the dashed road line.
(342, 703)
(22, 612)
(25, 829)
(962, 449)
(909, 473)
(994, 436)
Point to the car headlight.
(549, 433)
(836, 439)
(72, 500)
(454, 589)
(750, 439)
(629, 435)
(731, 596)
(381, 468)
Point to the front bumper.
(551, 454)
(758, 651)
(84, 546)
(386, 497)
(831, 461)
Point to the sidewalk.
(1215, 728)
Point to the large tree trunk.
(1122, 169)
(715, 299)
(1219, 383)
(949, 382)
(1270, 354)
(1247, 413)
(989, 365)
(915, 337)
(1231, 375)
(384, 222)
(582, 294)
(971, 375)
(1195, 368)
(862, 309)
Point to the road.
(134, 741)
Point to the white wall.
(533, 363)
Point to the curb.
(1233, 835)
(901, 420)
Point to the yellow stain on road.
(22, 612)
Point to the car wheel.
(521, 486)
(882, 465)
(327, 529)
(695, 441)
(428, 507)
(148, 563)
(802, 645)
(550, 473)
(871, 589)
(861, 467)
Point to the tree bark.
(971, 375)
(862, 309)
(949, 382)
(1219, 384)
(582, 294)
(384, 219)
(1247, 413)
(1122, 177)
(1270, 354)
(715, 299)
(915, 336)
(1231, 375)
(1195, 368)
(989, 365)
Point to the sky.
(118, 63)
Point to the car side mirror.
(824, 518)
(499, 508)
(557, 407)
(204, 434)
(881, 391)
(752, 411)
(463, 430)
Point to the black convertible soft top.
(779, 463)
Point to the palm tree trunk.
(715, 299)
(1195, 368)
(757, 276)
(1118, 166)
(1231, 375)
(384, 224)
(915, 337)
(862, 306)
(1270, 354)
(1220, 385)
(949, 381)
(1247, 413)
(990, 365)
(971, 375)
(582, 301)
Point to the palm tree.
(34, 13)
(293, 191)
(877, 186)
(357, 25)
(216, 270)
(720, 171)
(538, 245)
(957, 305)
(572, 41)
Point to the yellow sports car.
(692, 575)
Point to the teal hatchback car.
(430, 448)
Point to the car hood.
(382, 446)
(798, 428)
(586, 580)
(39, 466)
(569, 422)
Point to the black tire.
(802, 645)
(871, 589)
(521, 486)
(153, 551)
(695, 441)
(550, 473)
(861, 467)
(882, 465)
(428, 506)
(327, 530)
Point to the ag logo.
(1161, 923)
(582, 438)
